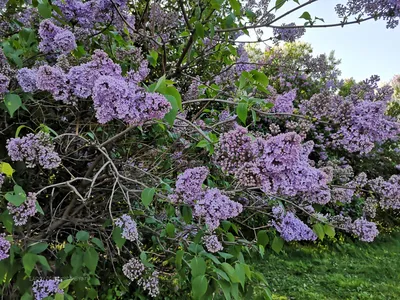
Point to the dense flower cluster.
(388, 191)
(133, 269)
(4, 247)
(279, 164)
(209, 204)
(290, 227)
(128, 226)
(54, 81)
(388, 10)
(284, 103)
(55, 39)
(212, 243)
(289, 34)
(4, 82)
(34, 149)
(27, 79)
(21, 213)
(365, 230)
(43, 288)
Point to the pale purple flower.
(133, 269)
(4, 247)
(212, 243)
(21, 213)
(43, 288)
(128, 226)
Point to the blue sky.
(365, 49)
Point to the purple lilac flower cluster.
(209, 204)
(212, 243)
(21, 213)
(55, 39)
(135, 270)
(290, 227)
(365, 230)
(388, 191)
(114, 96)
(288, 34)
(128, 226)
(278, 164)
(283, 103)
(4, 82)
(388, 10)
(43, 288)
(4, 247)
(34, 149)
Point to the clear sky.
(365, 49)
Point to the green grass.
(347, 271)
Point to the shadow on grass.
(347, 271)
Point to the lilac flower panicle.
(4, 247)
(150, 284)
(365, 230)
(64, 41)
(128, 226)
(214, 207)
(212, 243)
(189, 185)
(288, 34)
(27, 79)
(4, 82)
(291, 228)
(54, 81)
(21, 213)
(43, 288)
(133, 269)
(34, 149)
(284, 103)
(55, 39)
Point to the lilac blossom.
(284, 103)
(150, 284)
(291, 228)
(214, 207)
(34, 149)
(212, 243)
(365, 230)
(55, 39)
(128, 226)
(54, 81)
(27, 79)
(4, 247)
(288, 34)
(21, 213)
(4, 82)
(43, 288)
(133, 269)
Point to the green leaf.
(222, 274)
(241, 111)
(65, 283)
(59, 296)
(187, 214)
(7, 221)
(231, 272)
(6, 169)
(198, 266)
(160, 85)
(37, 248)
(202, 144)
(262, 238)
(277, 244)
(235, 6)
(98, 243)
(17, 197)
(117, 237)
(179, 258)
(199, 286)
(82, 236)
(43, 261)
(260, 78)
(68, 248)
(279, 4)
(226, 288)
(171, 115)
(306, 16)
(44, 9)
(91, 259)
(70, 239)
(170, 230)
(29, 261)
(147, 196)
(39, 208)
(171, 90)
(26, 296)
(329, 230)
(77, 259)
(199, 29)
(319, 230)
(12, 102)
(240, 273)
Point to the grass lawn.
(347, 271)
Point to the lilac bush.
(145, 146)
